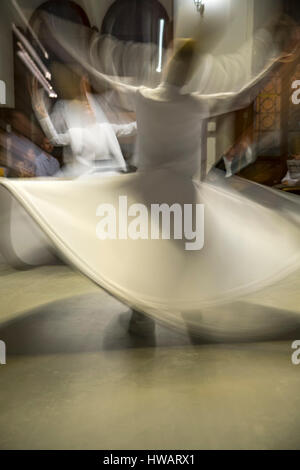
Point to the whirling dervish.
(105, 226)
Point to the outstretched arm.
(222, 103)
(125, 130)
(56, 139)
(141, 61)
(232, 72)
(41, 112)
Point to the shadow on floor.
(80, 324)
(99, 322)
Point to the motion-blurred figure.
(19, 144)
(45, 164)
(22, 156)
(239, 156)
(292, 178)
(251, 238)
(80, 126)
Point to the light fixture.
(160, 44)
(200, 6)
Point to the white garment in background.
(88, 138)
(289, 180)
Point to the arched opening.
(67, 10)
(137, 20)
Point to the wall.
(228, 20)
(265, 10)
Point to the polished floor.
(76, 379)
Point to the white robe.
(87, 138)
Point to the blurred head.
(46, 145)
(67, 80)
(181, 66)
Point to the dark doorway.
(136, 20)
(291, 8)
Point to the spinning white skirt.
(251, 238)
